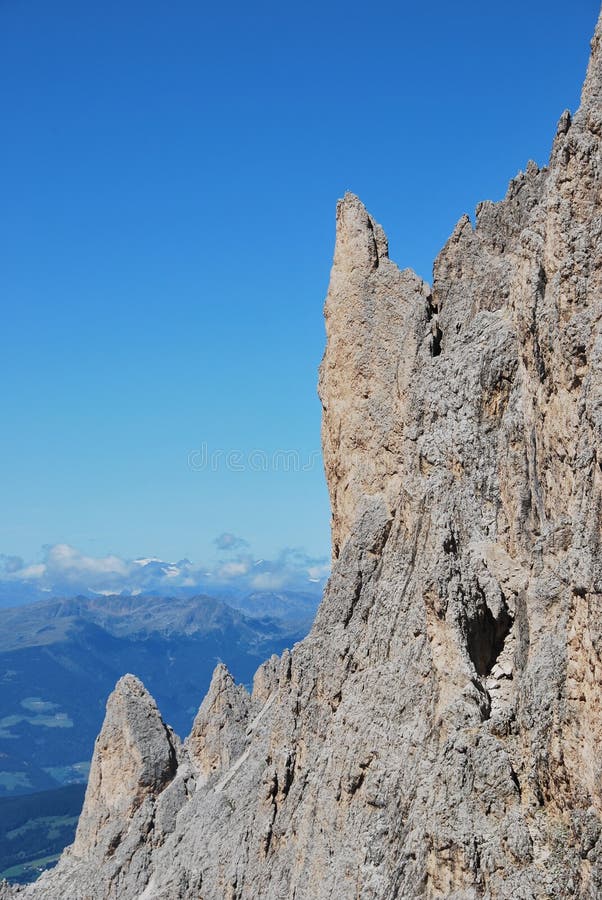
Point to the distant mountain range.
(59, 660)
(64, 570)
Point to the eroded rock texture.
(439, 732)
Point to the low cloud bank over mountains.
(64, 569)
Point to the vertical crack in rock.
(540, 293)
(436, 333)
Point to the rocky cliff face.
(438, 733)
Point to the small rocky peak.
(361, 243)
(562, 137)
(219, 729)
(135, 758)
(564, 123)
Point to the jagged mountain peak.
(437, 734)
(135, 757)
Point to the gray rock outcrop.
(439, 732)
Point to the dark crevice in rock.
(486, 635)
(172, 764)
(537, 498)
(521, 632)
(540, 292)
(375, 261)
(289, 774)
(514, 778)
(436, 338)
(432, 314)
(450, 543)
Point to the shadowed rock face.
(438, 733)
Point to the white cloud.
(65, 560)
(29, 573)
(268, 581)
(65, 570)
(233, 569)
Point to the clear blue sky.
(170, 172)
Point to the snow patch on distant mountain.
(236, 572)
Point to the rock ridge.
(438, 732)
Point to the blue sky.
(166, 232)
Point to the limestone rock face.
(218, 733)
(134, 759)
(439, 732)
(364, 376)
